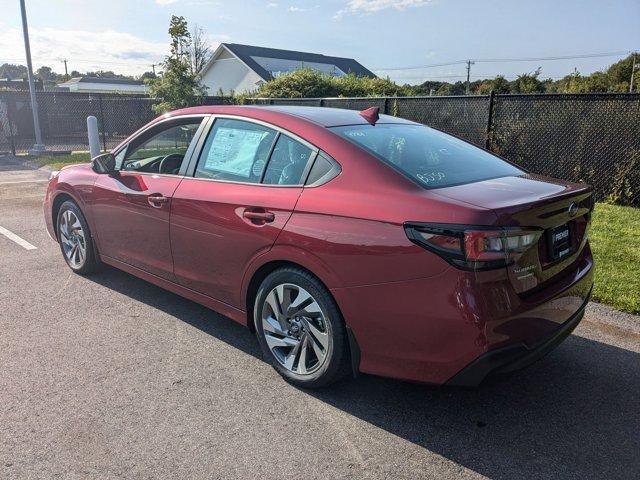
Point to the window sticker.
(233, 151)
(429, 177)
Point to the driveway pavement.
(109, 376)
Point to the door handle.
(157, 200)
(258, 217)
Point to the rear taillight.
(474, 248)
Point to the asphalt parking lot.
(109, 376)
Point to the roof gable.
(246, 54)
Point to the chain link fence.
(580, 137)
(63, 118)
(594, 138)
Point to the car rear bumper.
(430, 330)
(514, 357)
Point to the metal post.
(489, 130)
(469, 63)
(633, 70)
(92, 133)
(10, 120)
(38, 148)
(386, 106)
(102, 125)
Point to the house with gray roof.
(244, 68)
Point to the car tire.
(74, 238)
(317, 331)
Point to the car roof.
(324, 116)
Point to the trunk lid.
(562, 210)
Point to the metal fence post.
(10, 123)
(489, 130)
(386, 106)
(102, 125)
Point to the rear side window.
(287, 162)
(431, 158)
(235, 150)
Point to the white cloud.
(164, 3)
(371, 6)
(84, 50)
(272, 5)
(293, 8)
(89, 51)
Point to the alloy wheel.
(72, 238)
(295, 329)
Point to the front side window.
(431, 158)
(161, 149)
(235, 150)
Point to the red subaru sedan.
(347, 241)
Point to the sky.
(387, 36)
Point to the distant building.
(244, 68)
(19, 84)
(104, 85)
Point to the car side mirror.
(105, 163)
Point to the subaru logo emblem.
(573, 209)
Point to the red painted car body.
(411, 314)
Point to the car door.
(132, 207)
(234, 202)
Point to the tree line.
(309, 83)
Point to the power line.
(86, 61)
(567, 57)
(507, 60)
(472, 77)
(420, 66)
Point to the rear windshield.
(432, 158)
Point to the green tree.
(304, 83)
(13, 72)
(148, 75)
(108, 74)
(528, 83)
(309, 83)
(178, 86)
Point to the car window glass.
(322, 171)
(430, 157)
(235, 150)
(162, 150)
(287, 162)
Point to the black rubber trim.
(514, 357)
(354, 349)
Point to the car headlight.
(53, 174)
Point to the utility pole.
(66, 72)
(469, 63)
(153, 66)
(633, 70)
(38, 148)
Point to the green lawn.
(58, 161)
(615, 240)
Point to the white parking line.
(20, 241)
(13, 182)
